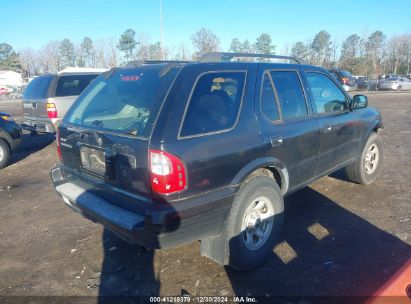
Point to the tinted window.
(125, 101)
(268, 103)
(73, 85)
(290, 94)
(326, 95)
(38, 88)
(214, 104)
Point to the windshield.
(124, 100)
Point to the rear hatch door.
(104, 138)
(35, 97)
(112, 166)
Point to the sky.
(33, 23)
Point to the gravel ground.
(339, 238)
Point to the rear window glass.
(38, 88)
(73, 85)
(123, 100)
(215, 103)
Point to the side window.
(290, 94)
(214, 104)
(327, 97)
(268, 103)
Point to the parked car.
(10, 137)
(345, 79)
(3, 90)
(168, 153)
(47, 98)
(395, 83)
(386, 76)
(362, 82)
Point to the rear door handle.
(276, 140)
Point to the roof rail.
(136, 63)
(223, 56)
(165, 61)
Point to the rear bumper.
(40, 126)
(161, 225)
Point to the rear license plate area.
(93, 160)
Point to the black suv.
(164, 153)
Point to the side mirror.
(359, 102)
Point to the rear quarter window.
(215, 103)
(38, 88)
(73, 85)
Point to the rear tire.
(366, 168)
(4, 153)
(254, 223)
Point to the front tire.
(254, 223)
(366, 168)
(4, 153)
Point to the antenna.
(161, 30)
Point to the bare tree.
(205, 41)
(374, 51)
(112, 54)
(179, 52)
(29, 61)
(51, 57)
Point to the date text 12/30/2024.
(202, 299)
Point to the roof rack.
(136, 63)
(223, 56)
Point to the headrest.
(212, 102)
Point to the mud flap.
(214, 248)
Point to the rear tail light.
(345, 80)
(58, 144)
(51, 110)
(167, 172)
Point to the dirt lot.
(339, 238)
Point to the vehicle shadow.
(340, 175)
(128, 271)
(324, 250)
(30, 144)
